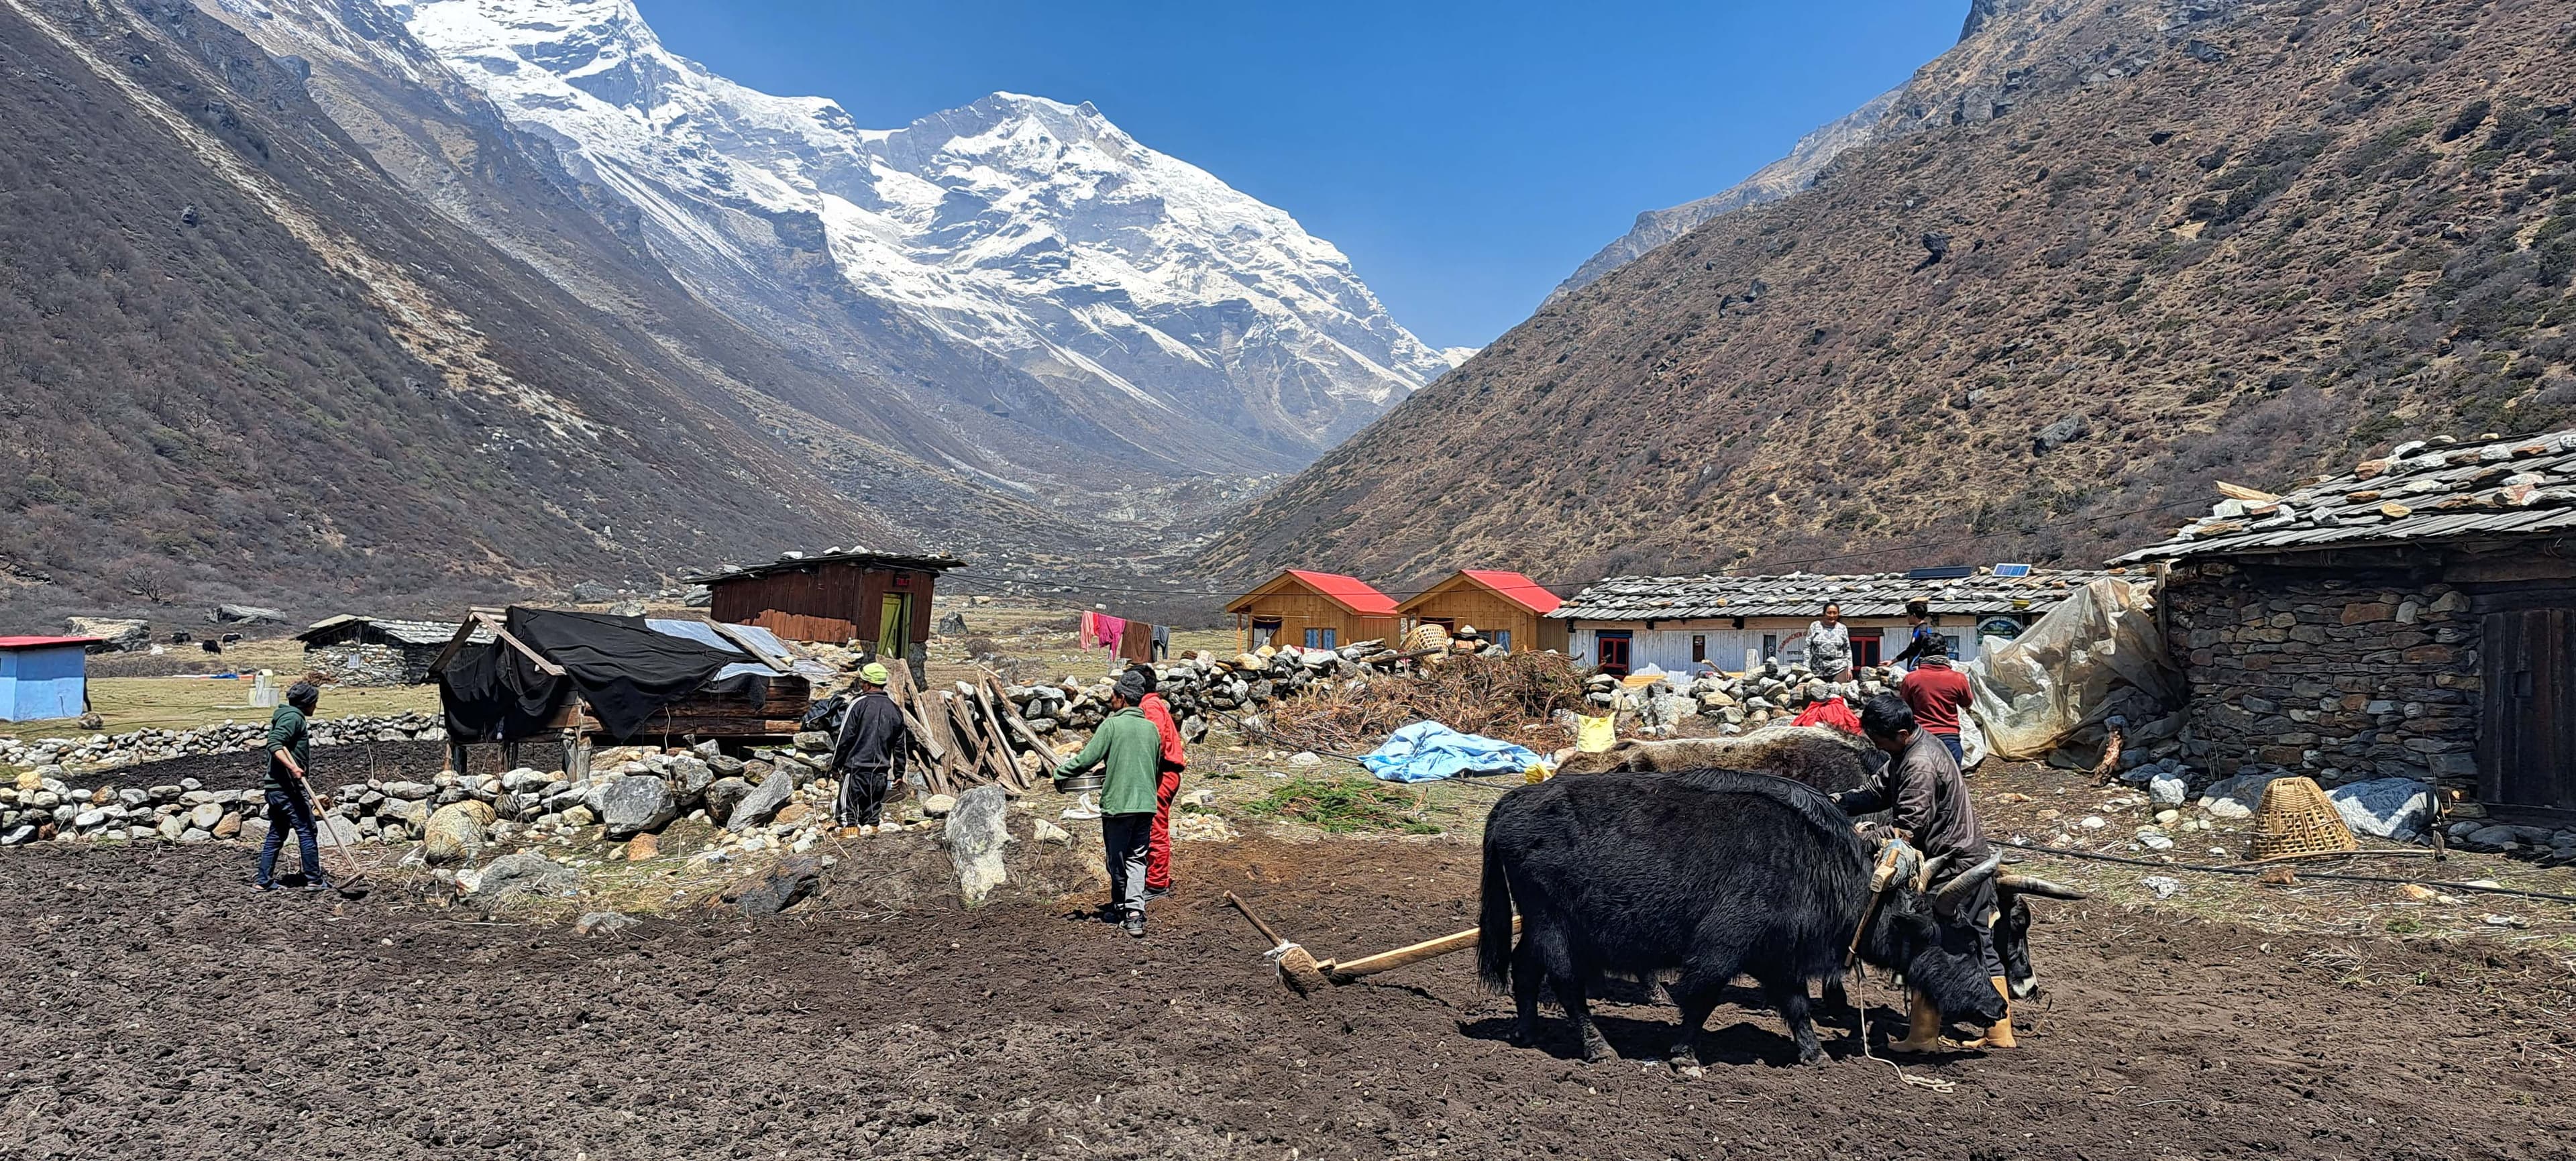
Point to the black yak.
(1703, 874)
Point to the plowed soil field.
(161, 1010)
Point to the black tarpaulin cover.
(624, 671)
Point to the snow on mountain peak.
(1033, 229)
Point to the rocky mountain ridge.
(2187, 242)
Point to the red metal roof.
(1352, 592)
(1517, 589)
(42, 642)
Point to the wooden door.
(2527, 727)
(894, 625)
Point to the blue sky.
(1466, 156)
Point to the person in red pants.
(1167, 783)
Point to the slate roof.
(406, 632)
(798, 562)
(2422, 490)
(1798, 594)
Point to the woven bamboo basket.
(2296, 818)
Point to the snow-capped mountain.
(1181, 321)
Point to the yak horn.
(1967, 879)
(2029, 885)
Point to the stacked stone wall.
(2340, 679)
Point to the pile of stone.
(776, 798)
(1200, 686)
(40, 806)
(1777, 691)
(103, 752)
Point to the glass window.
(1699, 647)
(1770, 646)
(1503, 637)
(1320, 638)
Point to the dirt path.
(163, 1011)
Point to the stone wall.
(357, 665)
(2337, 678)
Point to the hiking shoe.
(316, 886)
(1153, 893)
(260, 885)
(1135, 924)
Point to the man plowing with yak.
(1697, 877)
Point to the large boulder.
(637, 803)
(455, 833)
(722, 796)
(763, 803)
(978, 829)
(245, 615)
(2389, 808)
(1820, 756)
(526, 873)
(115, 634)
(2235, 797)
(690, 777)
(784, 886)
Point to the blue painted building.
(43, 677)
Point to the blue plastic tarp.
(1425, 751)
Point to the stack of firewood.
(968, 734)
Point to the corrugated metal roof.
(2421, 490)
(1353, 593)
(1516, 588)
(45, 642)
(1679, 598)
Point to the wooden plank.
(906, 698)
(549, 668)
(751, 647)
(1011, 717)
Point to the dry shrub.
(1494, 696)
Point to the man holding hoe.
(291, 800)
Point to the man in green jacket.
(1125, 748)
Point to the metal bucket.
(1082, 783)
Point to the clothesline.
(1138, 641)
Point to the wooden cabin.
(1313, 610)
(1505, 608)
(879, 601)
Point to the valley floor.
(162, 1010)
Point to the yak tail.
(1494, 923)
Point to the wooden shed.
(1313, 610)
(1504, 607)
(880, 600)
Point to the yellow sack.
(1597, 734)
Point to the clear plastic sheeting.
(2098, 655)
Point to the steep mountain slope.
(237, 361)
(1074, 307)
(2197, 241)
(1979, 80)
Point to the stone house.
(1687, 624)
(356, 650)
(2414, 617)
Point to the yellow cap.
(874, 673)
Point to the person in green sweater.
(1125, 749)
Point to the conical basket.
(2296, 818)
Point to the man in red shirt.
(1937, 693)
(1158, 848)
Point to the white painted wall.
(1667, 646)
